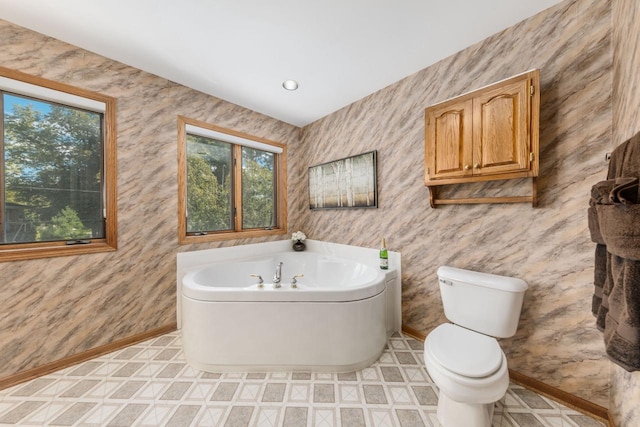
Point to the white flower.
(298, 235)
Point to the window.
(231, 185)
(57, 169)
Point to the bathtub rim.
(303, 293)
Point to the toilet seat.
(464, 352)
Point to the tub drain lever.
(294, 282)
(259, 277)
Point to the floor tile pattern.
(150, 384)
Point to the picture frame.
(347, 183)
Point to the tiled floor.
(150, 384)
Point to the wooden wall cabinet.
(487, 134)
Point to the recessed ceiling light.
(290, 84)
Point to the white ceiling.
(242, 50)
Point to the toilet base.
(455, 414)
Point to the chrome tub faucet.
(278, 276)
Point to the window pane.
(258, 189)
(208, 185)
(52, 166)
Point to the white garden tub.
(333, 320)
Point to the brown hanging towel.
(614, 223)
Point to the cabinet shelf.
(434, 200)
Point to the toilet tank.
(486, 303)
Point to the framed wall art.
(345, 183)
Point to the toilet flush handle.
(446, 282)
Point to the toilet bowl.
(471, 373)
(463, 358)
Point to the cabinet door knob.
(467, 167)
(477, 166)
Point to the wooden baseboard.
(567, 399)
(30, 374)
(413, 333)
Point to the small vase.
(298, 246)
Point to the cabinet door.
(501, 129)
(448, 140)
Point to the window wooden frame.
(34, 250)
(238, 232)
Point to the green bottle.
(384, 256)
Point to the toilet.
(463, 358)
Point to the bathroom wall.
(57, 307)
(547, 246)
(62, 306)
(625, 386)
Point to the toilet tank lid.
(504, 283)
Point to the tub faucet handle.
(294, 282)
(259, 277)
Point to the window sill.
(228, 235)
(29, 251)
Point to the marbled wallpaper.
(58, 307)
(625, 386)
(548, 246)
(62, 306)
